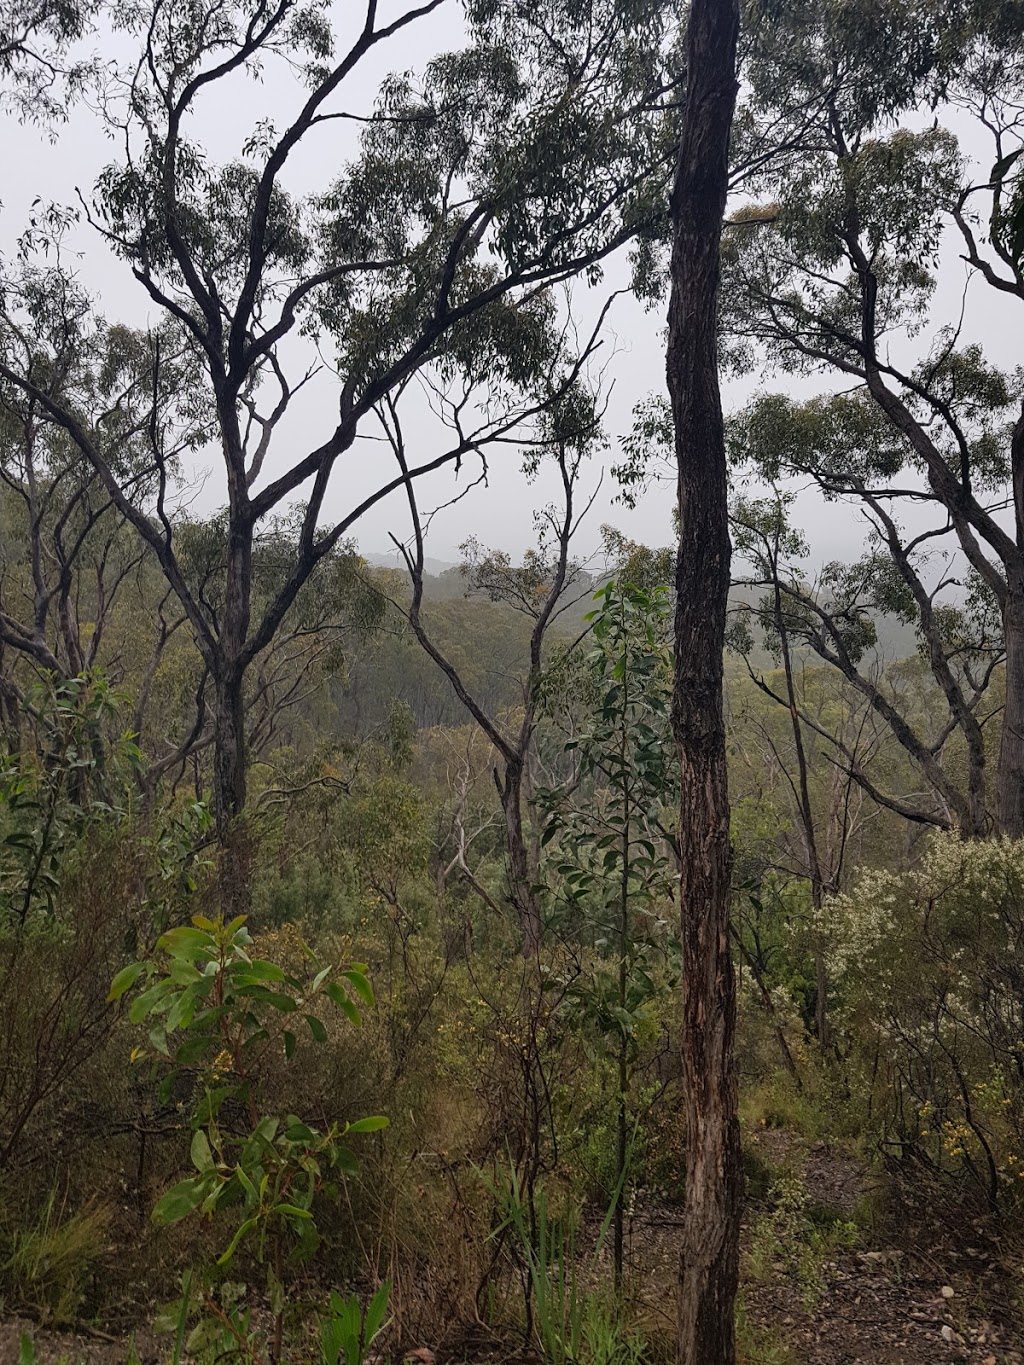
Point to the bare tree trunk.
(1010, 776)
(229, 750)
(520, 880)
(709, 1261)
(229, 754)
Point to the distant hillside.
(391, 559)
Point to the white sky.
(500, 514)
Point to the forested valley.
(603, 952)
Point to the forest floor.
(930, 1294)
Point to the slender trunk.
(521, 887)
(229, 758)
(1010, 776)
(621, 1116)
(1011, 743)
(806, 820)
(10, 712)
(229, 761)
(709, 1261)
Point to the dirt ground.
(926, 1296)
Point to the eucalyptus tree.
(844, 445)
(836, 619)
(37, 37)
(833, 269)
(523, 159)
(66, 553)
(709, 1268)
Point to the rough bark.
(229, 751)
(1010, 771)
(709, 1254)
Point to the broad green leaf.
(345, 1160)
(125, 980)
(292, 1211)
(202, 1156)
(246, 1184)
(275, 999)
(260, 970)
(375, 1311)
(179, 1201)
(336, 993)
(149, 1001)
(192, 1050)
(185, 942)
(359, 981)
(372, 1124)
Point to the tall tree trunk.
(229, 755)
(1010, 777)
(229, 793)
(229, 750)
(709, 1262)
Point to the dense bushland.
(422, 1102)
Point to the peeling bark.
(709, 1262)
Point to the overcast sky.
(500, 514)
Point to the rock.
(947, 1291)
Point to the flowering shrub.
(928, 972)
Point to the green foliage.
(927, 967)
(610, 832)
(212, 1006)
(609, 825)
(609, 829)
(383, 827)
(571, 1320)
(1008, 223)
(474, 181)
(49, 800)
(803, 1239)
(347, 1333)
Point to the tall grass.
(574, 1319)
(49, 1262)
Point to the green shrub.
(928, 969)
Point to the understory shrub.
(928, 972)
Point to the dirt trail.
(924, 1298)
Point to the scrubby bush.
(928, 971)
